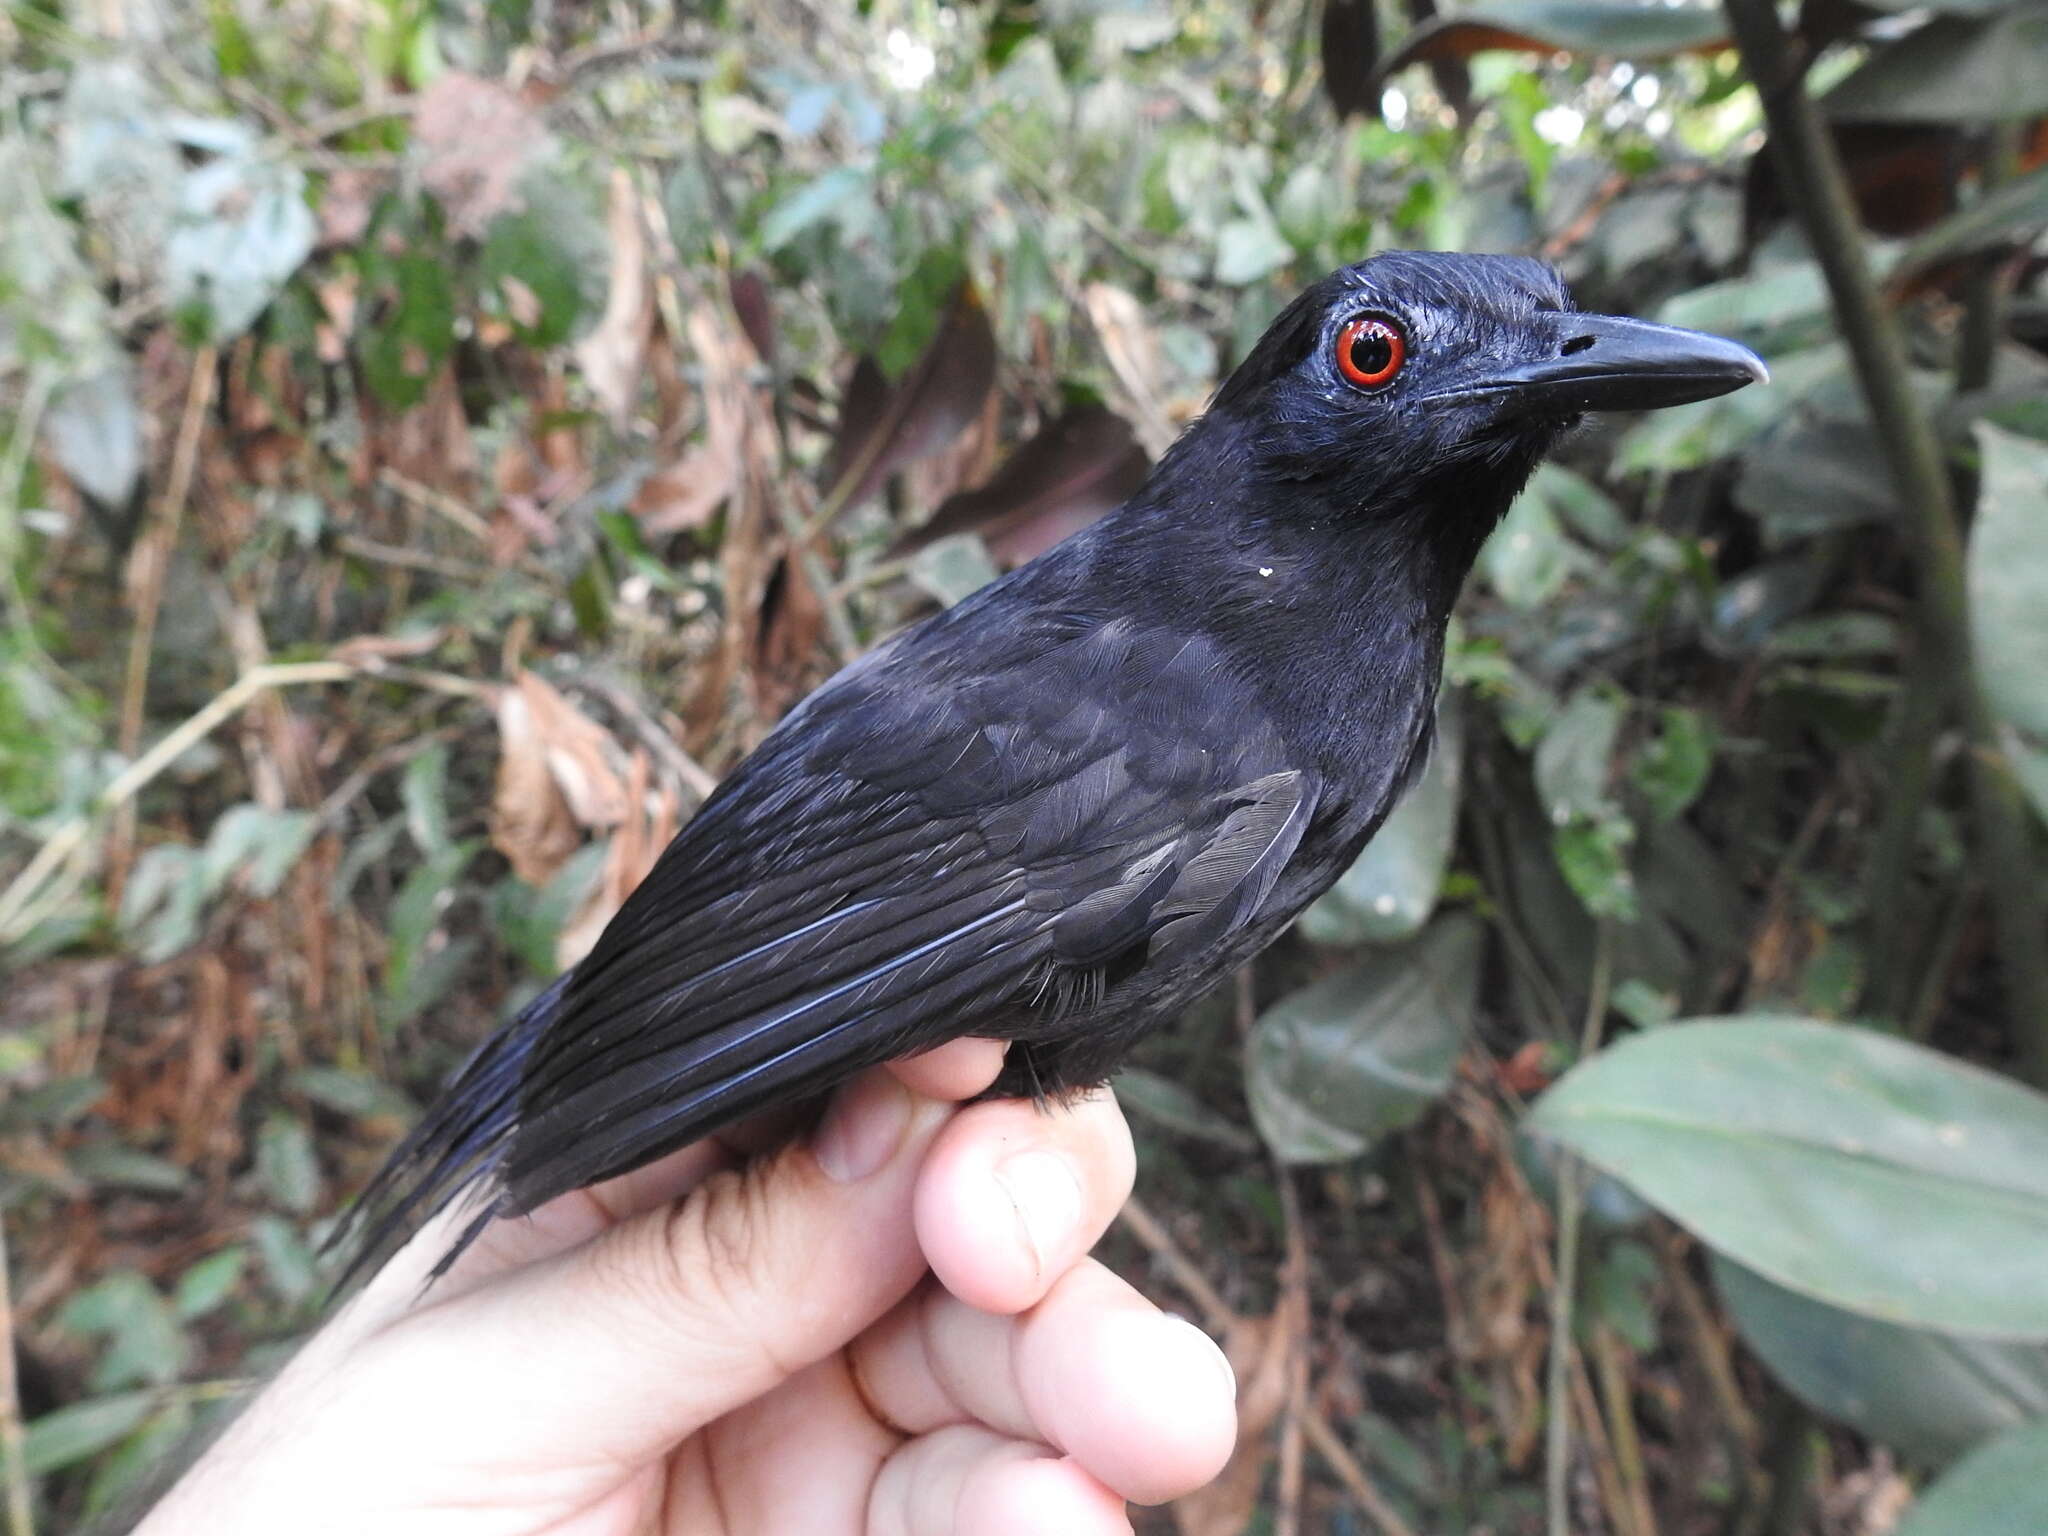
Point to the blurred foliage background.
(436, 440)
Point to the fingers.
(968, 1481)
(661, 1324)
(1013, 1195)
(957, 1070)
(1143, 1402)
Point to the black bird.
(1061, 810)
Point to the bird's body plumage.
(1055, 813)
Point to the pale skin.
(890, 1328)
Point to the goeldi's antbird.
(1059, 811)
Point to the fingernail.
(862, 1128)
(1216, 1352)
(1047, 1196)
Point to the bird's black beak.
(1612, 363)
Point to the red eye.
(1370, 352)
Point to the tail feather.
(457, 1148)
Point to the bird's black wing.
(931, 839)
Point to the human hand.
(891, 1329)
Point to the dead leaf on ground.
(477, 138)
(1057, 482)
(647, 829)
(1133, 352)
(555, 777)
(883, 428)
(615, 351)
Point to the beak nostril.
(1577, 344)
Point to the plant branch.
(1819, 192)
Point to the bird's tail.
(456, 1149)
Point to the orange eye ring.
(1371, 351)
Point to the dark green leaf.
(1955, 69)
(1390, 889)
(209, 1282)
(1995, 1491)
(72, 1434)
(1614, 27)
(1343, 1062)
(287, 1165)
(1848, 1165)
(106, 1166)
(1163, 1100)
(1576, 756)
(1931, 1395)
(1672, 767)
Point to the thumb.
(613, 1352)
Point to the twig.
(21, 1520)
(411, 559)
(1611, 1367)
(156, 557)
(440, 503)
(1338, 1458)
(1218, 1317)
(1287, 1514)
(1570, 1206)
(69, 839)
(1812, 173)
(1187, 1277)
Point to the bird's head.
(1421, 385)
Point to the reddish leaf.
(756, 311)
(1080, 466)
(930, 407)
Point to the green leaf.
(812, 203)
(424, 791)
(1955, 69)
(1528, 557)
(953, 568)
(286, 1163)
(107, 1166)
(243, 228)
(358, 1095)
(1614, 27)
(210, 1282)
(1620, 1292)
(1247, 249)
(1391, 888)
(1996, 1491)
(145, 1344)
(2008, 586)
(2008, 577)
(1592, 855)
(1341, 1063)
(288, 1263)
(1850, 1166)
(401, 352)
(1672, 767)
(1162, 1100)
(416, 972)
(94, 428)
(1576, 755)
(67, 1436)
(1931, 1395)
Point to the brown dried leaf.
(614, 352)
(478, 137)
(367, 651)
(935, 402)
(1133, 352)
(1080, 466)
(642, 835)
(555, 776)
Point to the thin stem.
(1819, 192)
(1571, 1196)
(21, 1520)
